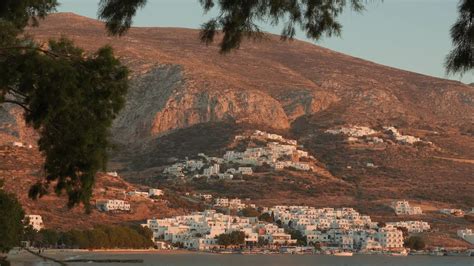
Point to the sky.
(407, 34)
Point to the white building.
(390, 238)
(112, 205)
(36, 221)
(403, 207)
(212, 170)
(155, 192)
(245, 170)
(138, 194)
(455, 212)
(114, 174)
(405, 139)
(467, 235)
(411, 226)
(352, 131)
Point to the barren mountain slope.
(268, 82)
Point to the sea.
(199, 259)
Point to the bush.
(234, 238)
(250, 212)
(99, 237)
(415, 242)
(266, 217)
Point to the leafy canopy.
(11, 221)
(70, 97)
(239, 19)
(461, 58)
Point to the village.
(367, 135)
(278, 153)
(290, 229)
(238, 225)
(232, 225)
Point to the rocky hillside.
(187, 98)
(181, 82)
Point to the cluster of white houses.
(233, 204)
(356, 133)
(405, 139)
(279, 153)
(107, 205)
(199, 230)
(342, 228)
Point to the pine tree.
(11, 221)
(70, 97)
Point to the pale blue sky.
(406, 34)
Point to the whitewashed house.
(155, 192)
(112, 205)
(403, 207)
(467, 235)
(36, 221)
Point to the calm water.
(280, 260)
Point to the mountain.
(187, 98)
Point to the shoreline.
(23, 257)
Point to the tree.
(238, 19)
(404, 231)
(11, 221)
(250, 212)
(233, 238)
(300, 238)
(265, 217)
(415, 242)
(50, 237)
(70, 97)
(279, 223)
(461, 58)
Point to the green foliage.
(238, 19)
(262, 242)
(250, 212)
(234, 238)
(69, 97)
(118, 14)
(100, 237)
(11, 221)
(415, 242)
(266, 217)
(461, 58)
(296, 234)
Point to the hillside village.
(328, 229)
(274, 151)
(368, 135)
(289, 229)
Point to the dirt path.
(456, 160)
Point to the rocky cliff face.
(163, 100)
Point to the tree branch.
(17, 103)
(48, 52)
